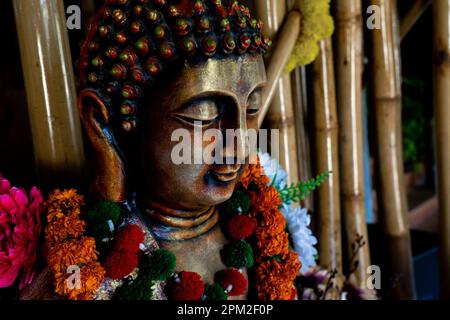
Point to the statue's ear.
(109, 170)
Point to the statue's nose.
(235, 138)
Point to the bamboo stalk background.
(413, 15)
(327, 155)
(299, 93)
(391, 191)
(300, 97)
(349, 86)
(50, 88)
(441, 14)
(281, 112)
(287, 36)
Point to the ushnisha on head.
(150, 67)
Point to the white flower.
(298, 221)
(273, 170)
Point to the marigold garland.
(68, 247)
(276, 267)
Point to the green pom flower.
(239, 203)
(159, 266)
(100, 218)
(214, 292)
(140, 289)
(238, 255)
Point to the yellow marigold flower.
(316, 25)
(91, 276)
(64, 202)
(64, 228)
(71, 253)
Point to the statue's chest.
(200, 255)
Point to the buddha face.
(216, 94)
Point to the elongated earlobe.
(109, 180)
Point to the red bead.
(136, 27)
(119, 17)
(127, 109)
(159, 33)
(209, 45)
(188, 45)
(128, 125)
(244, 42)
(153, 16)
(152, 66)
(137, 75)
(104, 31)
(119, 71)
(228, 43)
(166, 51)
(142, 46)
(112, 53)
(181, 27)
(121, 38)
(129, 57)
(199, 7)
(159, 2)
(130, 92)
(137, 10)
(203, 25)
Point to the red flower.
(119, 264)
(186, 286)
(128, 238)
(233, 281)
(20, 228)
(240, 227)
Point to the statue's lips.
(226, 173)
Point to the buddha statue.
(148, 68)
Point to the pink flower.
(20, 228)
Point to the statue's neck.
(172, 224)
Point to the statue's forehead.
(235, 76)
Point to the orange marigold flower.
(91, 276)
(254, 173)
(67, 227)
(275, 277)
(272, 245)
(70, 253)
(62, 203)
(272, 222)
(265, 200)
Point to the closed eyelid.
(199, 109)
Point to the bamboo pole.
(441, 16)
(50, 88)
(327, 154)
(413, 15)
(349, 86)
(392, 193)
(281, 112)
(299, 93)
(300, 97)
(280, 55)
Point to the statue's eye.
(202, 112)
(254, 103)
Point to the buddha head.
(150, 67)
